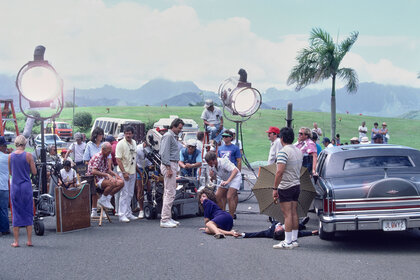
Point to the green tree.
(83, 120)
(321, 61)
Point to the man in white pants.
(169, 155)
(126, 155)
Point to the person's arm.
(31, 162)
(181, 159)
(68, 153)
(121, 166)
(239, 163)
(8, 163)
(232, 175)
(221, 123)
(86, 154)
(238, 157)
(165, 152)
(277, 179)
(314, 162)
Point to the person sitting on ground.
(68, 176)
(231, 181)
(276, 231)
(106, 179)
(217, 222)
(190, 159)
(213, 120)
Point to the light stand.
(39, 84)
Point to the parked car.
(49, 141)
(62, 129)
(8, 135)
(367, 187)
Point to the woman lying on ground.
(218, 222)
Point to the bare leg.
(29, 233)
(295, 217)
(221, 194)
(15, 236)
(211, 228)
(286, 208)
(232, 197)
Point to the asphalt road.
(143, 250)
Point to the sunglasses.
(226, 136)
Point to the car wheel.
(39, 227)
(323, 234)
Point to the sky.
(126, 43)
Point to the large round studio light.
(39, 82)
(238, 97)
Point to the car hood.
(361, 186)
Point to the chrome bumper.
(352, 222)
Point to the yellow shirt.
(126, 152)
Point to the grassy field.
(256, 145)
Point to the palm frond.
(320, 38)
(346, 45)
(350, 77)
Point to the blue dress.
(221, 218)
(21, 191)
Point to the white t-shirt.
(142, 161)
(362, 134)
(212, 117)
(292, 157)
(68, 176)
(274, 149)
(224, 169)
(78, 151)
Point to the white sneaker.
(167, 224)
(141, 214)
(283, 245)
(295, 243)
(132, 217)
(175, 222)
(94, 214)
(124, 219)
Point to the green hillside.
(256, 144)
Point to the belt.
(173, 161)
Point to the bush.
(83, 120)
(35, 114)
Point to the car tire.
(323, 234)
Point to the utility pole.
(74, 102)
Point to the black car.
(368, 187)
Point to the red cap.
(274, 129)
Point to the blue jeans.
(4, 213)
(213, 130)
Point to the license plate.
(395, 225)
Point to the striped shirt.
(292, 157)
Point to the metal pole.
(43, 161)
(237, 134)
(74, 101)
(289, 118)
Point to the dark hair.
(375, 123)
(129, 128)
(287, 135)
(278, 235)
(200, 135)
(210, 194)
(67, 163)
(176, 122)
(338, 135)
(210, 156)
(314, 136)
(97, 131)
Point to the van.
(114, 126)
(62, 129)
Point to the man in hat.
(273, 135)
(384, 132)
(365, 140)
(327, 143)
(190, 159)
(355, 140)
(213, 120)
(234, 140)
(4, 188)
(229, 150)
(78, 149)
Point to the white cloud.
(126, 44)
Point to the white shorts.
(234, 184)
(99, 183)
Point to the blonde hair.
(20, 141)
(307, 131)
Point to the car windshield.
(51, 138)
(63, 126)
(378, 162)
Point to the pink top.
(307, 147)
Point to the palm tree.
(321, 61)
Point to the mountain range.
(370, 99)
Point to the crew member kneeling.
(105, 178)
(190, 159)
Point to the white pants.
(169, 191)
(126, 194)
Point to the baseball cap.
(192, 142)
(227, 133)
(110, 138)
(120, 136)
(326, 140)
(232, 130)
(273, 129)
(78, 135)
(208, 103)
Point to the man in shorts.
(287, 187)
(231, 181)
(105, 179)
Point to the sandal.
(15, 245)
(219, 236)
(29, 244)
